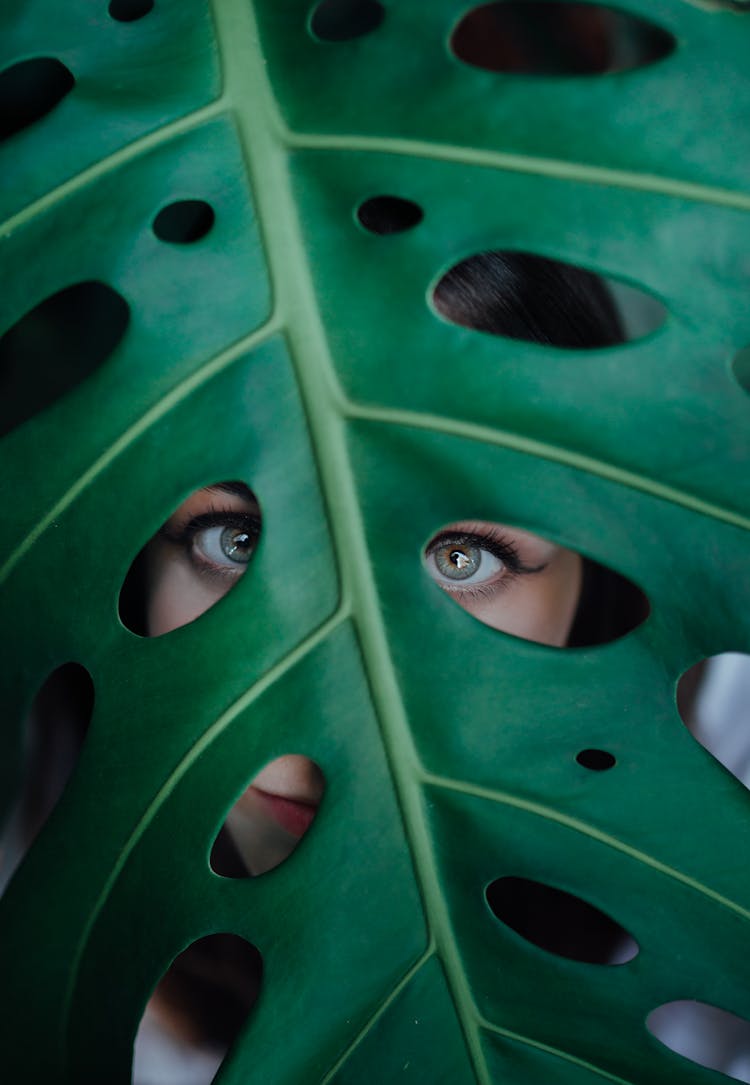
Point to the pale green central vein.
(507, 1034)
(266, 154)
(504, 438)
(166, 404)
(549, 814)
(370, 1025)
(519, 163)
(192, 755)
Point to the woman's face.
(507, 578)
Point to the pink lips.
(292, 815)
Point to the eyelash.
(184, 535)
(500, 546)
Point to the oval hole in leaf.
(559, 922)
(53, 736)
(127, 11)
(55, 346)
(537, 38)
(192, 561)
(705, 1034)
(29, 90)
(389, 214)
(741, 369)
(184, 221)
(269, 819)
(532, 588)
(197, 1010)
(596, 760)
(520, 295)
(713, 698)
(342, 20)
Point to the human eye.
(474, 561)
(217, 542)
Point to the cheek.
(175, 595)
(539, 608)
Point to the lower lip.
(293, 816)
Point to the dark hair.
(523, 296)
(530, 297)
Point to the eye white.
(455, 565)
(227, 546)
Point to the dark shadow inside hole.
(198, 1009)
(559, 922)
(609, 607)
(520, 295)
(705, 1034)
(195, 558)
(389, 214)
(53, 736)
(596, 760)
(57, 345)
(713, 699)
(184, 221)
(343, 20)
(533, 37)
(29, 90)
(127, 11)
(269, 819)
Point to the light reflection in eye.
(527, 586)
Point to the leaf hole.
(53, 735)
(533, 37)
(57, 345)
(704, 1034)
(195, 558)
(343, 20)
(713, 699)
(596, 760)
(559, 922)
(519, 295)
(389, 214)
(128, 11)
(184, 221)
(269, 819)
(29, 90)
(532, 588)
(197, 1010)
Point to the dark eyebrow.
(235, 489)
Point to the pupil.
(236, 544)
(459, 559)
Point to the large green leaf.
(292, 349)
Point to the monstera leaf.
(292, 348)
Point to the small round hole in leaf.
(56, 345)
(713, 698)
(596, 760)
(269, 819)
(389, 214)
(54, 733)
(198, 1009)
(184, 221)
(559, 922)
(195, 558)
(29, 90)
(520, 295)
(343, 20)
(704, 1034)
(128, 11)
(530, 587)
(534, 37)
